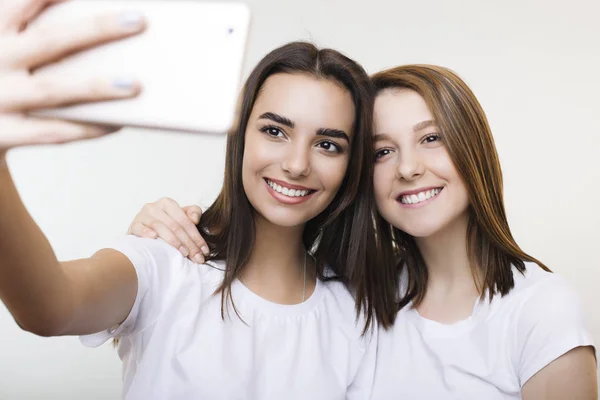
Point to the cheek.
(440, 164)
(257, 154)
(443, 167)
(383, 178)
(332, 170)
(252, 163)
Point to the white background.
(535, 66)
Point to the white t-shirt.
(175, 345)
(491, 354)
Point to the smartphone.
(189, 61)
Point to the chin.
(417, 229)
(284, 218)
(421, 231)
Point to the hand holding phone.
(26, 48)
(189, 60)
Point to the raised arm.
(50, 298)
(45, 296)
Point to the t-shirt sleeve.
(155, 266)
(550, 324)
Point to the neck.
(451, 290)
(275, 270)
(446, 257)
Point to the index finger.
(188, 225)
(39, 45)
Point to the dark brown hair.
(342, 236)
(468, 139)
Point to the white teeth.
(419, 197)
(287, 191)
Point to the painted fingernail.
(183, 251)
(199, 259)
(125, 83)
(131, 20)
(205, 250)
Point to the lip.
(281, 198)
(424, 189)
(421, 203)
(287, 185)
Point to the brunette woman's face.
(297, 147)
(417, 187)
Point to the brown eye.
(272, 131)
(330, 147)
(432, 137)
(382, 153)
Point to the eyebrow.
(380, 137)
(423, 124)
(278, 118)
(330, 132)
(334, 133)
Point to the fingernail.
(205, 250)
(131, 20)
(183, 251)
(125, 83)
(195, 217)
(110, 129)
(199, 259)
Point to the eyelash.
(437, 136)
(269, 128)
(378, 153)
(338, 148)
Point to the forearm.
(33, 285)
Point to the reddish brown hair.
(468, 138)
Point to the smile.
(419, 197)
(287, 191)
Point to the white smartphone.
(189, 61)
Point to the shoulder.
(337, 294)
(537, 287)
(532, 277)
(155, 258)
(537, 295)
(138, 249)
(339, 305)
(549, 319)
(546, 298)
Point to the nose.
(296, 161)
(410, 166)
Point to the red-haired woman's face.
(417, 187)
